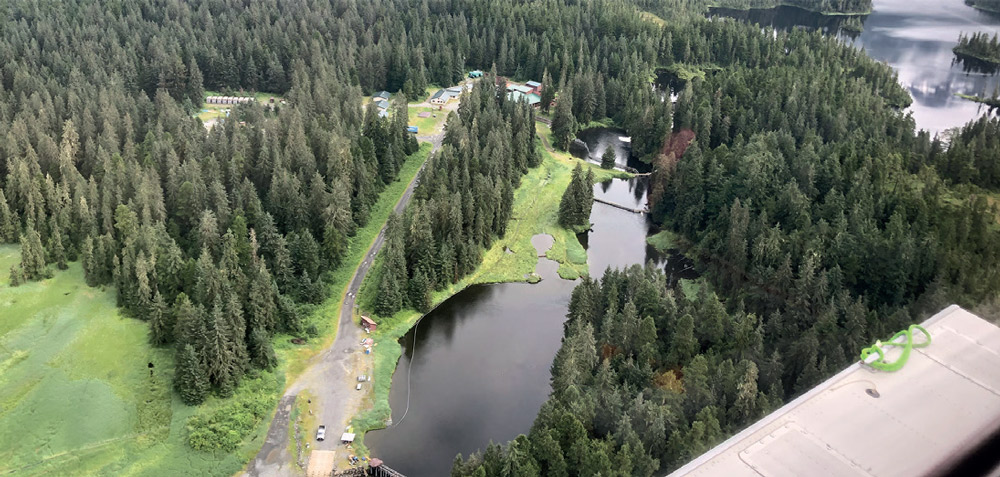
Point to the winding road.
(330, 377)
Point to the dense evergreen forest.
(218, 237)
(821, 219)
(979, 46)
(822, 6)
(809, 201)
(971, 155)
(464, 199)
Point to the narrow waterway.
(476, 369)
(916, 38)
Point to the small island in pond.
(979, 46)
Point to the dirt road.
(331, 376)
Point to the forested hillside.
(822, 6)
(821, 218)
(805, 197)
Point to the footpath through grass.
(77, 396)
(536, 205)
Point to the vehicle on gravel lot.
(321, 433)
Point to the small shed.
(475, 74)
(368, 323)
(347, 437)
(381, 95)
(383, 104)
(411, 129)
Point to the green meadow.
(77, 393)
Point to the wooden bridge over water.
(623, 207)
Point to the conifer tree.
(161, 327)
(419, 291)
(548, 91)
(608, 159)
(190, 378)
(32, 256)
(577, 200)
(563, 123)
(8, 221)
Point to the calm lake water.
(915, 37)
(478, 365)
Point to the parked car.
(362, 378)
(321, 433)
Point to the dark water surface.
(479, 364)
(592, 142)
(915, 37)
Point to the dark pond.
(477, 367)
(591, 143)
(915, 37)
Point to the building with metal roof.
(923, 419)
(381, 95)
(532, 99)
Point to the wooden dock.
(619, 206)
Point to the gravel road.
(331, 376)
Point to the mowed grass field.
(429, 125)
(76, 393)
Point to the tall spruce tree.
(563, 123)
(190, 378)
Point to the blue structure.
(412, 129)
(475, 74)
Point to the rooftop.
(532, 99)
(382, 94)
(918, 420)
(518, 87)
(533, 84)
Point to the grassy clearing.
(428, 91)
(218, 111)
(653, 18)
(431, 125)
(63, 342)
(692, 287)
(535, 212)
(663, 240)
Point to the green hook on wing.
(907, 344)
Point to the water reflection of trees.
(789, 17)
(972, 65)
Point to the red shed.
(368, 323)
